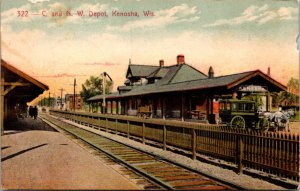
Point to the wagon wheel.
(263, 124)
(238, 122)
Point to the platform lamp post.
(103, 75)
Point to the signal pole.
(74, 95)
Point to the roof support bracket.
(13, 85)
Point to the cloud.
(70, 53)
(13, 51)
(38, 1)
(162, 18)
(99, 64)
(260, 15)
(61, 75)
(11, 15)
(76, 19)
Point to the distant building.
(70, 102)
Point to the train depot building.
(182, 92)
(17, 89)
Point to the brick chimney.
(161, 63)
(210, 72)
(180, 59)
(269, 71)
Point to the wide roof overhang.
(219, 85)
(20, 87)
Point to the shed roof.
(107, 96)
(28, 87)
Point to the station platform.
(34, 156)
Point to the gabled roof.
(187, 73)
(159, 73)
(177, 73)
(258, 73)
(141, 71)
(227, 82)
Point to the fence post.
(240, 154)
(165, 137)
(128, 125)
(194, 143)
(143, 133)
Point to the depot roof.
(179, 78)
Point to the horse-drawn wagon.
(244, 114)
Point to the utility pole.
(61, 98)
(49, 100)
(74, 94)
(103, 86)
(104, 74)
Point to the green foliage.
(93, 87)
(45, 101)
(256, 98)
(293, 86)
(290, 96)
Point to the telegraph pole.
(74, 94)
(61, 98)
(103, 86)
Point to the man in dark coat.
(30, 111)
(35, 112)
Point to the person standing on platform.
(35, 112)
(30, 111)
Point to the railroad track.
(161, 173)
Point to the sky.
(230, 35)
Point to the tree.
(93, 87)
(290, 96)
(45, 101)
(256, 98)
(293, 86)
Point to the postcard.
(147, 65)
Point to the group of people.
(33, 112)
